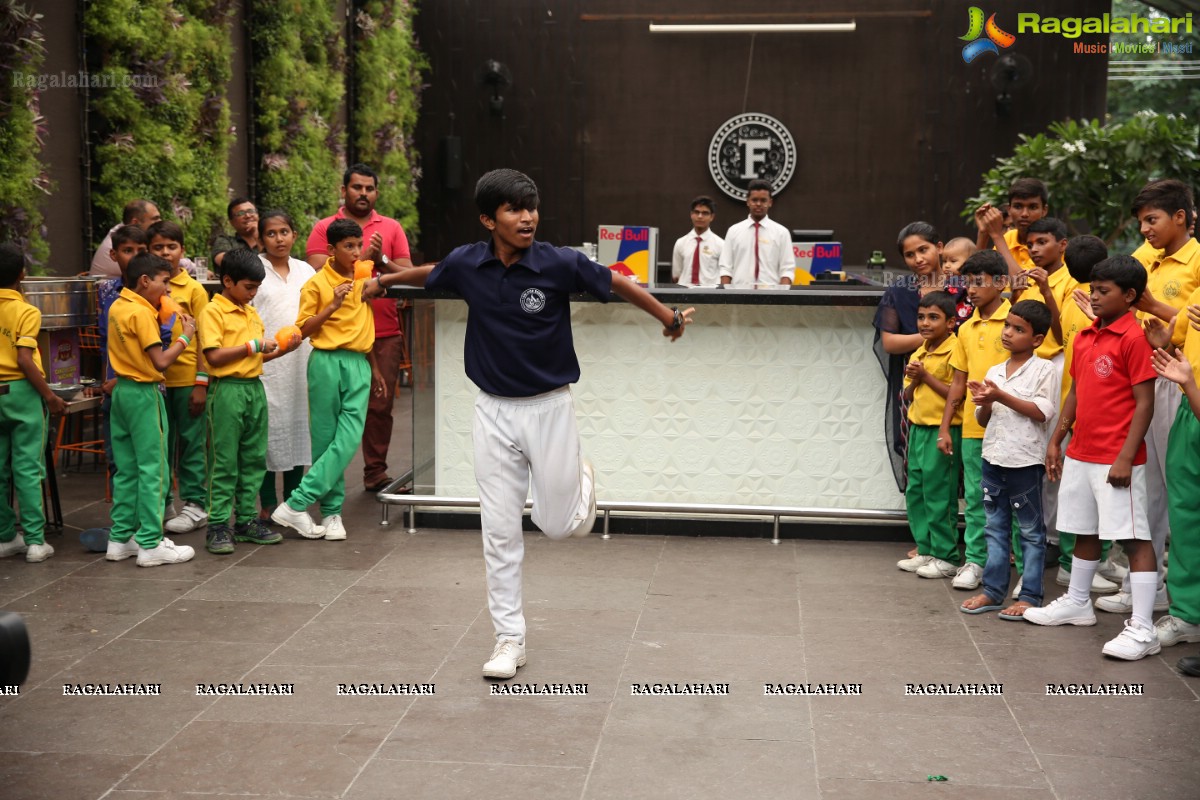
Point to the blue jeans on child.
(1010, 492)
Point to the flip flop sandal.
(1015, 617)
(981, 609)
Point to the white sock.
(1143, 585)
(1082, 572)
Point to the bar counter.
(771, 398)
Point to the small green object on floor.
(938, 778)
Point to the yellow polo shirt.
(352, 326)
(192, 298)
(1187, 338)
(133, 327)
(927, 405)
(1061, 286)
(1073, 320)
(1020, 252)
(1147, 254)
(223, 323)
(979, 349)
(20, 324)
(1173, 278)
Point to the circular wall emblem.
(751, 146)
(533, 301)
(1103, 366)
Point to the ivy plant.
(163, 129)
(23, 180)
(298, 53)
(387, 93)
(1093, 171)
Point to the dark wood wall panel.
(614, 122)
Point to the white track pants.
(516, 439)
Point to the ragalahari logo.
(976, 27)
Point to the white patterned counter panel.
(761, 405)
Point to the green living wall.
(387, 81)
(298, 53)
(23, 181)
(161, 116)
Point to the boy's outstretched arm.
(409, 276)
(634, 294)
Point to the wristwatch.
(678, 323)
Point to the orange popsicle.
(363, 269)
(284, 336)
(167, 308)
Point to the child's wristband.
(254, 346)
(201, 379)
(186, 341)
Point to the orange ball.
(167, 308)
(363, 269)
(284, 336)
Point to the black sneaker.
(256, 532)
(219, 540)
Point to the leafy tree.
(1129, 92)
(1093, 171)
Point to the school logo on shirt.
(751, 146)
(1103, 366)
(533, 301)
(1171, 290)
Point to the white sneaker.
(969, 576)
(1063, 611)
(1016, 595)
(913, 564)
(1172, 630)
(335, 531)
(167, 552)
(1122, 602)
(589, 522)
(119, 551)
(936, 568)
(191, 518)
(38, 552)
(1100, 584)
(505, 659)
(1112, 571)
(1133, 643)
(299, 521)
(17, 545)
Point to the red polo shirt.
(1107, 364)
(395, 245)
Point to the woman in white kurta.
(289, 448)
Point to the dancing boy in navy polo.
(519, 352)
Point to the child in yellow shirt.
(22, 414)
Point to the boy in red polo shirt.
(1103, 492)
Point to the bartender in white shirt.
(757, 250)
(697, 255)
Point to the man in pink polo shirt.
(386, 245)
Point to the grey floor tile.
(1115, 778)
(730, 615)
(745, 713)
(408, 649)
(192, 620)
(540, 731)
(104, 595)
(1028, 669)
(355, 553)
(278, 584)
(921, 788)
(203, 565)
(678, 656)
(652, 767)
(895, 747)
(1116, 727)
(424, 780)
(594, 591)
(229, 757)
(39, 776)
(407, 604)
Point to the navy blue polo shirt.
(519, 318)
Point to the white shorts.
(1089, 506)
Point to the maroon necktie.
(756, 227)
(696, 262)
